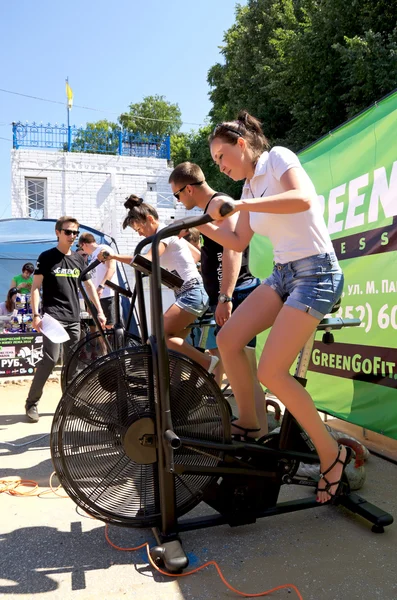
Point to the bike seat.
(206, 319)
(336, 306)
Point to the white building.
(90, 187)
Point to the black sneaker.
(32, 413)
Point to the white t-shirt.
(293, 236)
(5, 313)
(99, 272)
(177, 258)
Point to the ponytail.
(138, 211)
(245, 126)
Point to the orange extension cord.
(10, 486)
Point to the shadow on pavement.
(45, 551)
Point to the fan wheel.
(88, 349)
(103, 437)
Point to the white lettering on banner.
(354, 289)
(388, 287)
(335, 208)
(385, 317)
(387, 195)
(355, 200)
(9, 362)
(355, 363)
(383, 193)
(7, 352)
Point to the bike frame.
(293, 442)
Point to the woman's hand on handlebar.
(183, 233)
(215, 208)
(104, 255)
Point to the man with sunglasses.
(57, 271)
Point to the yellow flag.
(69, 95)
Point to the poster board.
(20, 353)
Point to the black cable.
(94, 109)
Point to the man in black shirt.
(226, 276)
(57, 272)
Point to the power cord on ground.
(11, 485)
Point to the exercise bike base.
(352, 502)
(372, 513)
(171, 555)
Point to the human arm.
(162, 248)
(35, 301)
(296, 197)
(127, 259)
(91, 291)
(236, 240)
(231, 265)
(195, 252)
(110, 271)
(105, 256)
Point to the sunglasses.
(70, 232)
(176, 194)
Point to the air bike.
(143, 435)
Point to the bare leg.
(218, 371)
(175, 322)
(259, 395)
(257, 313)
(290, 331)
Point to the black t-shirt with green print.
(60, 283)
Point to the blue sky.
(114, 53)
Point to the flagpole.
(69, 102)
(67, 105)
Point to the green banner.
(354, 170)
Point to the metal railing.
(94, 141)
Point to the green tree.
(252, 65)
(369, 66)
(334, 66)
(305, 66)
(180, 147)
(153, 115)
(100, 137)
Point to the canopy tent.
(22, 240)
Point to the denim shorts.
(194, 300)
(312, 284)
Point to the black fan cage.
(88, 349)
(97, 410)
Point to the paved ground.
(49, 550)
